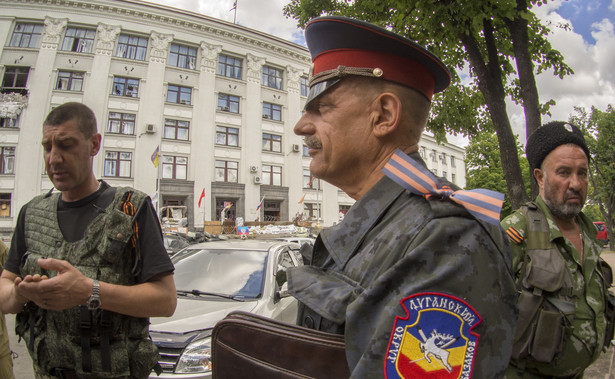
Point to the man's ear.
(387, 109)
(539, 176)
(95, 144)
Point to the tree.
(489, 34)
(484, 167)
(599, 128)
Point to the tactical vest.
(546, 305)
(96, 344)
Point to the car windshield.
(237, 273)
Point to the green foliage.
(484, 167)
(599, 129)
(438, 26)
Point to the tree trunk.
(490, 84)
(525, 69)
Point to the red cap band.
(394, 67)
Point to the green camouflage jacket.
(416, 286)
(583, 337)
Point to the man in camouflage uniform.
(87, 266)
(6, 363)
(556, 257)
(416, 283)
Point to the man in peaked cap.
(418, 275)
(564, 322)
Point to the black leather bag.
(245, 345)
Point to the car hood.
(198, 314)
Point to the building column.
(98, 81)
(151, 101)
(252, 136)
(203, 136)
(40, 84)
(293, 159)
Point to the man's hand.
(69, 288)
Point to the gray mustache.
(313, 142)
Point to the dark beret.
(549, 136)
(342, 46)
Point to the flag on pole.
(201, 197)
(155, 156)
(302, 198)
(234, 6)
(260, 204)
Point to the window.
(229, 66)
(131, 47)
(434, 156)
(272, 175)
(5, 205)
(7, 160)
(125, 87)
(452, 161)
(272, 142)
(79, 40)
(443, 159)
(311, 211)
(226, 171)
(174, 167)
(304, 85)
(121, 123)
(423, 152)
(453, 179)
(70, 81)
(227, 136)
(7, 122)
(182, 56)
(435, 172)
(26, 35)
(306, 151)
(180, 95)
(272, 111)
(176, 129)
(118, 164)
(309, 181)
(444, 174)
(228, 103)
(15, 80)
(272, 77)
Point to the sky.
(588, 48)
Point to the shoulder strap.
(538, 234)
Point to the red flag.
(202, 196)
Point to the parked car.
(174, 242)
(602, 235)
(299, 240)
(213, 279)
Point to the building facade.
(212, 103)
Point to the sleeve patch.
(514, 235)
(435, 339)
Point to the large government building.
(215, 100)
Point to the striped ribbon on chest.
(481, 203)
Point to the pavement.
(603, 368)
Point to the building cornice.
(190, 22)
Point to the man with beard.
(412, 266)
(564, 322)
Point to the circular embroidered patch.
(435, 340)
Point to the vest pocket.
(549, 336)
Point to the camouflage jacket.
(415, 286)
(584, 335)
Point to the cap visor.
(319, 88)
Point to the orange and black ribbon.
(481, 203)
